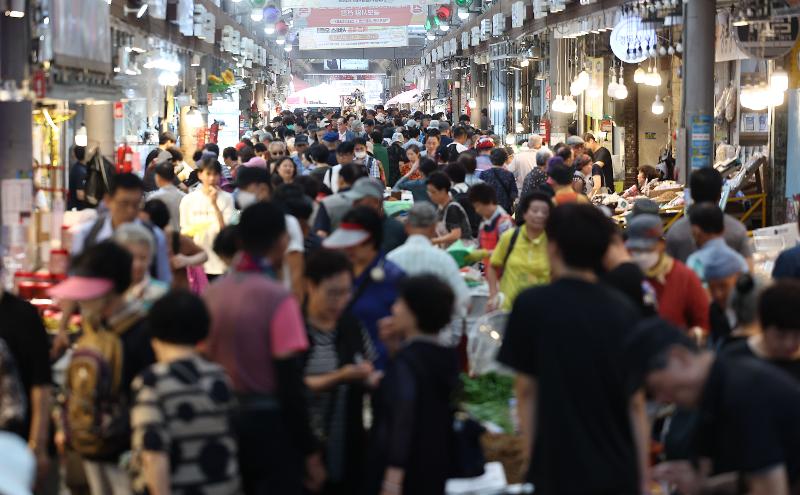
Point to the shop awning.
(405, 97)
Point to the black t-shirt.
(603, 155)
(584, 442)
(454, 216)
(629, 279)
(23, 331)
(750, 418)
(741, 348)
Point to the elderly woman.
(648, 176)
(139, 241)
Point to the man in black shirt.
(602, 158)
(585, 430)
(24, 333)
(749, 412)
(77, 180)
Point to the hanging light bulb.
(622, 91)
(594, 90)
(524, 62)
(168, 78)
(774, 98)
(558, 104)
(269, 29)
(583, 79)
(463, 14)
(287, 48)
(257, 14)
(779, 80)
(430, 36)
(640, 76)
(444, 27)
(658, 106)
(612, 87)
(81, 136)
(473, 104)
(575, 88)
(570, 105)
(280, 41)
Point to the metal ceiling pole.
(698, 78)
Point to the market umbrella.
(405, 97)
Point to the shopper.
(379, 151)
(205, 211)
(778, 341)
(123, 201)
(708, 226)
(705, 185)
(332, 208)
(503, 181)
(182, 404)
(431, 150)
(257, 335)
(418, 187)
(138, 241)
(184, 255)
(115, 339)
(537, 178)
(285, 171)
(27, 343)
(345, 154)
(749, 413)
(484, 147)
(582, 179)
(561, 179)
(453, 219)
(369, 192)
(375, 278)
(722, 272)
(556, 353)
(370, 163)
(338, 369)
(418, 256)
(519, 260)
(682, 300)
(76, 198)
(525, 161)
(168, 193)
(412, 448)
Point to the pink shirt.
(254, 320)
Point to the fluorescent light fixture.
(280, 41)
(168, 78)
(81, 136)
(287, 48)
(269, 29)
(257, 14)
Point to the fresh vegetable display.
(486, 397)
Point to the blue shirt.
(788, 264)
(375, 301)
(418, 188)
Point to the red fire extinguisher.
(124, 159)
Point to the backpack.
(95, 416)
(450, 153)
(99, 174)
(472, 216)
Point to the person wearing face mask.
(370, 163)
(681, 298)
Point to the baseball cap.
(484, 144)
(644, 232)
(411, 123)
(422, 214)
(18, 467)
(331, 136)
(723, 262)
(365, 187)
(444, 125)
(644, 206)
(347, 235)
(575, 140)
(397, 137)
(647, 340)
(434, 124)
(301, 139)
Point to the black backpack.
(450, 153)
(472, 216)
(99, 175)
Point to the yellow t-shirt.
(527, 266)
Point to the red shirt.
(681, 299)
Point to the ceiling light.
(463, 14)
(16, 9)
(280, 41)
(139, 11)
(622, 91)
(168, 78)
(430, 36)
(288, 48)
(269, 29)
(640, 76)
(195, 60)
(658, 106)
(444, 27)
(257, 14)
(524, 62)
(779, 80)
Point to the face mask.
(361, 154)
(645, 259)
(245, 199)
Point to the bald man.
(525, 160)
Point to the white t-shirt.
(331, 178)
(296, 245)
(199, 221)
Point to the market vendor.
(647, 174)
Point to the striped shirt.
(182, 409)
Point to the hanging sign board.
(465, 40)
(498, 24)
(517, 15)
(486, 29)
(353, 37)
(631, 39)
(411, 15)
(768, 40)
(476, 36)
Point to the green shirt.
(528, 264)
(380, 153)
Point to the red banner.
(361, 16)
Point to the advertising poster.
(353, 37)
